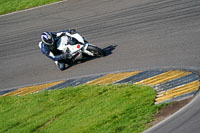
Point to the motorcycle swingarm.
(86, 51)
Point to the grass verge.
(96, 109)
(8, 6)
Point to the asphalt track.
(137, 34)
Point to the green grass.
(82, 109)
(7, 6)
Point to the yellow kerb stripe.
(31, 89)
(164, 77)
(185, 89)
(111, 78)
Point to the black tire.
(98, 52)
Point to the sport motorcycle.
(80, 50)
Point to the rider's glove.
(62, 34)
(72, 31)
(65, 55)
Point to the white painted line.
(33, 8)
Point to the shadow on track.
(108, 50)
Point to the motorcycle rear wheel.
(98, 52)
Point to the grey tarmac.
(143, 34)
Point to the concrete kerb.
(181, 92)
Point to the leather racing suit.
(53, 53)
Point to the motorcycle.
(80, 50)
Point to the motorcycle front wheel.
(98, 52)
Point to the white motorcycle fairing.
(63, 45)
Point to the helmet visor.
(49, 41)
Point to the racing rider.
(48, 47)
